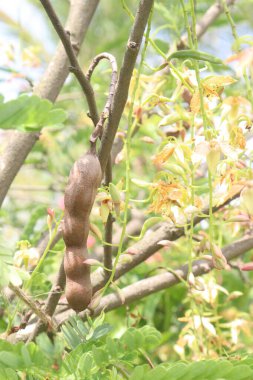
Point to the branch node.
(133, 45)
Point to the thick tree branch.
(20, 144)
(121, 92)
(163, 281)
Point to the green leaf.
(179, 371)
(26, 356)
(141, 183)
(101, 331)
(139, 372)
(147, 224)
(113, 347)
(100, 356)
(196, 55)
(241, 372)
(45, 344)
(8, 374)
(158, 373)
(133, 339)
(85, 364)
(30, 113)
(151, 336)
(10, 359)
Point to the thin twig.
(75, 67)
(45, 240)
(52, 301)
(107, 108)
(108, 226)
(43, 316)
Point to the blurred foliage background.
(27, 43)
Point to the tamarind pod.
(75, 231)
(78, 284)
(78, 293)
(84, 179)
(80, 193)
(73, 262)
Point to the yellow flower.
(27, 257)
(166, 195)
(237, 138)
(212, 87)
(165, 153)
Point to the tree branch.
(147, 246)
(121, 92)
(20, 144)
(163, 281)
(107, 108)
(42, 315)
(51, 302)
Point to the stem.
(33, 306)
(248, 85)
(107, 108)
(202, 107)
(43, 257)
(35, 271)
(108, 226)
(191, 44)
(230, 20)
(187, 25)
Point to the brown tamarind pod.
(78, 284)
(80, 193)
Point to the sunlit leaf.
(30, 113)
